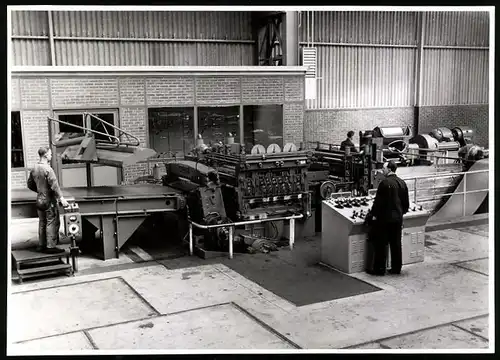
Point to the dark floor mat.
(295, 276)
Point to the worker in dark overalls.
(43, 181)
(347, 143)
(391, 203)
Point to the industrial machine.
(443, 140)
(344, 235)
(223, 183)
(108, 215)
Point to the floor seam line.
(65, 285)
(142, 298)
(264, 325)
(470, 332)
(91, 341)
(472, 270)
(413, 332)
(120, 323)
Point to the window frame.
(23, 141)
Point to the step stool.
(30, 263)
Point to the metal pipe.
(93, 38)
(249, 222)
(230, 242)
(456, 47)
(450, 194)
(292, 233)
(465, 194)
(29, 37)
(444, 175)
(190, 239)
(360, 45)
(415, 191)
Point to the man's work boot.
(41, 248)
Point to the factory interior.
(214, 201)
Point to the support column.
(290, 46)
(419, 68)
(51, 39)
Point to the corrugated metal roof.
(364, 27)
(364, 77)
(29, 23)
(30, 53)
(117, 53)
(455, 77)
(154, 24)
(457, 28)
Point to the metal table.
(116, 211)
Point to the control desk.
(343, 234)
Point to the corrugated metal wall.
(365, 59)
(453, 75)
(134, 38)
(369, 59)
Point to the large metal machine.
(225, 184)
(109, 214)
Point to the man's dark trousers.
(388, 233)
(48, 226)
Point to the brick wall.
(133, 120)
(331, 126)
(262, 90)
(15, 94)
(170, 91)
(35, 93)
(218, 90)
(133, 95)
(71, 93)
(132, 91)
(18, 179)
(475, 116)
(36, 134)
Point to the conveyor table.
(116, 211)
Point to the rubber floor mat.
(293, 275)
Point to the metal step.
(44, 269)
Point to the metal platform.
(30, 263)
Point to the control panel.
(356, 208)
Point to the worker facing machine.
(43, 181)
(391, 203)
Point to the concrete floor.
(119, 304)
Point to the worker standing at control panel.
(347, 143)
(43, 181)
(391, 203)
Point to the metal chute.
(118, 149)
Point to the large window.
(171, 130)
(17, 157)
(263, 124)
(215, 123)
(78, 118)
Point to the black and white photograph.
(250, 179)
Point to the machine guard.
(111, 152)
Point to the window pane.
(76, 119)
(102, 127)
(263, 124)
(17, 158)
(215, 123)
(171, 130)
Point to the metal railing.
(446, 175)
(231, 226)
